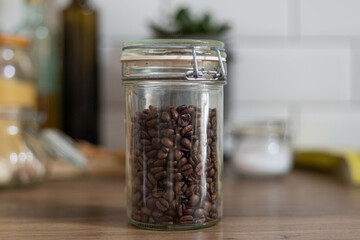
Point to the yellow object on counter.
(346, 162)
(16, 92)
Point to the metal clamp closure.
(195, 74)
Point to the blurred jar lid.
(14, 40)
(260, 128)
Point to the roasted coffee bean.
(187, 131)
(211, 172)
(146, 211)
(157, 193)
(178, 187)
(151, 115)
(167, 219)
(207, 206)
(189, 211)
(178, 154)
(151, 123)
(167, 132)
(145, 142)
(199, 212)
(186, 169)
(156, 143)
(157, 214)
(198, 169)
(174, 113)
(167, 167)
(177, 177)
(159, 163)
(162, 155)
(162, 204)
(187, 219)
(194, 199)
(160, 175)
(165, 116)
(186, 143)
(150, 203)
(151, 178)
(156, 169)
(184, 120)
(167, 142)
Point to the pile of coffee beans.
(174, 166)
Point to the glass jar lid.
(175, 59)
(262, 128)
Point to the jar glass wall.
(22, 158)
(174, 132)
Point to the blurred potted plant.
(184, 25)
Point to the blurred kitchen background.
(290, 60)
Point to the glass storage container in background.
(23, 160)
(17, 77)
(174, 129)
(262, 149)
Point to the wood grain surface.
(300, 206)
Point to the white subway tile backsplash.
(329, 129)
(247, 17)
(290, 75)
(131, 18)
(112, 90)
(112, 132)
(330, 17)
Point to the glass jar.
(174, 129)
(262, 149)
(17, 80)
(23, 160)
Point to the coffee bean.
(199, 212)
(150, 203)
(187, 219)
(211, 172)
(167, 142)
(160, 175)
(194, 199)
(198, 169)
(178, 187)
(159, 163)
(146, 211)
(186, 143)
(151, 123)
(187, 131)
(166, 219)
(165, 116)
(174, 113)
(167, 132)
(162, 204)
(178, 177)
(156, 169)
(162, 155)
(151, 178)
(189, 211)
(186, 169)
(184, 120)
(156, 143)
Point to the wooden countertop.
(300, 206)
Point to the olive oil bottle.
(80, 72)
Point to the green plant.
(183, 23)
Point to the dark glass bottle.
(80, 74)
